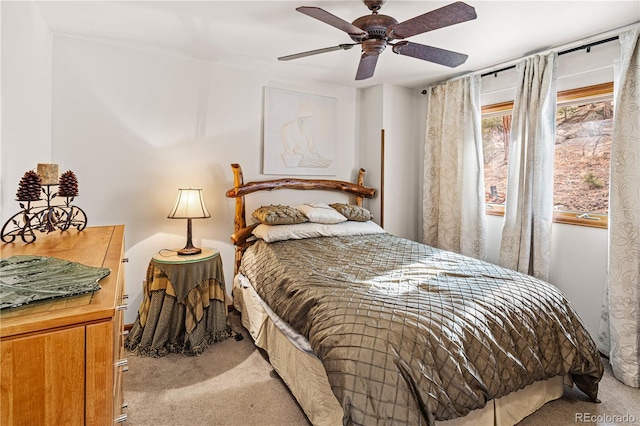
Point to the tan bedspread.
(409, 334)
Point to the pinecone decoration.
(68, 185)
(30, 187)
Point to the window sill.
(568, 218)
(495, 209)
(591, 220)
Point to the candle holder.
(44, 218)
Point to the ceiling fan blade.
(317, 51)
(366, 67)
(328, 18)
(454, 13)
(429, 53)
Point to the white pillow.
(272, 233)
(321, 213)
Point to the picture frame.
(299, 133)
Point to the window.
(584, 122)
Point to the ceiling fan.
(375, 32)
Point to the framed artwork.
(299, 133)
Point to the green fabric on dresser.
(26, 279)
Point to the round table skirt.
(164, 330)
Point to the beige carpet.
(232, 383)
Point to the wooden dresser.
(61, 361)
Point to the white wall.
(370, 121)
(403, 161)
(136, 125)
(26, 98)
(580, 269)
(393, 109)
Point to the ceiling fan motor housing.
(375, 25)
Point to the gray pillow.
(353, 212)
(278, 215)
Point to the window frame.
(588, 93)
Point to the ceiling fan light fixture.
(373, 46)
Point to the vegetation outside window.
(584, 123)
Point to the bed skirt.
(312, 390)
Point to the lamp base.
(188, 251)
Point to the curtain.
(453, 189)
(619, 335)
(526, 233)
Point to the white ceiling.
(252, 34)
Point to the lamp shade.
(189, 205)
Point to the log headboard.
(242, 232)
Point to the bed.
(368, 328)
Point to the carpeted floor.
(232, 384)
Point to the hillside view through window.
(582, 156)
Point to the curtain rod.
(609, 36)
(587, 46)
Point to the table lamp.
(189, 205)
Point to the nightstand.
(183, 308)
